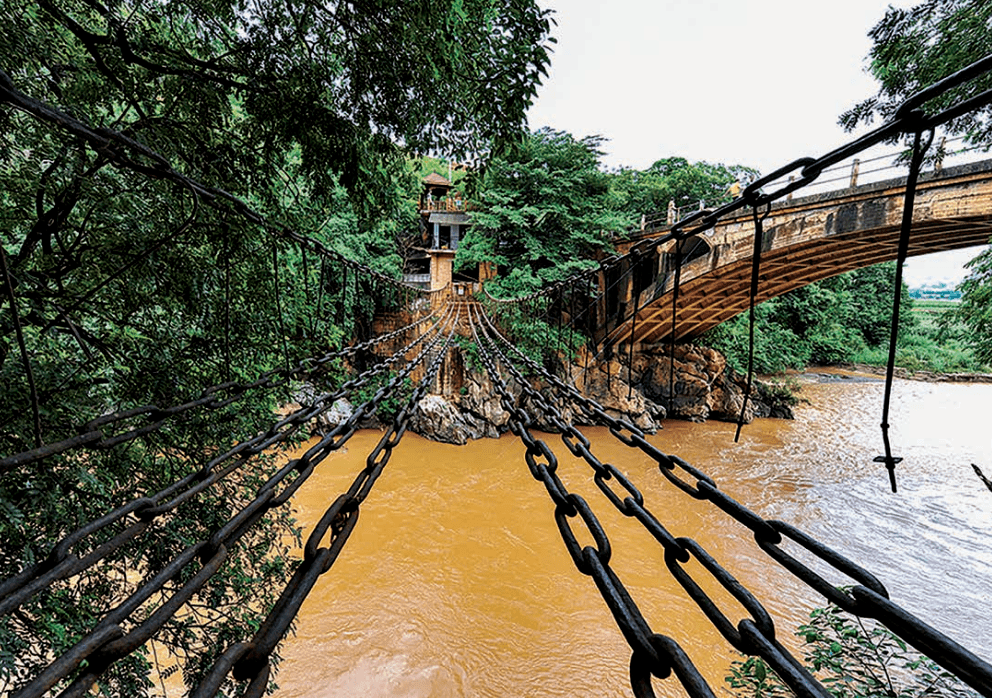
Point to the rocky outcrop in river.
(705, 387)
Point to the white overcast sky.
(753, 82)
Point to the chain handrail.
(91, 434)
(61, 563)
(107, 642)
(250, 660)
(868, 598)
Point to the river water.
(455, 581)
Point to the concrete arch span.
(805, 240)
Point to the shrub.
(853, 658)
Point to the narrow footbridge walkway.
(163, 550)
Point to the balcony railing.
(448, 204)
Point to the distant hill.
(941, 290)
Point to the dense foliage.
(547, 209)
(676, 180)
(542, 212)
(975, 309)
(130, 288)
(828, 322)
(854, 659)
(913, 48)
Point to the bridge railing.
(448, 204)
(875, 164)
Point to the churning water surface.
(456, 582)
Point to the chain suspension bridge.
(605, 303)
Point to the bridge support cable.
(759, 220)
(676, 283)
(868, 598)
(22, 347)
(277, 296)
(61, 563)
(916, 162)
(249, 661)
(93, 434)
(107, 642)
(652, 654)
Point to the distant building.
(444, 220)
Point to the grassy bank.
(936, 342)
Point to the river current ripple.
(456, 582)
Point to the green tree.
(676, 179)
(853, 658)
(827, 322)
(132, 288)
(975, 309)
(913, 48)
(541, 212)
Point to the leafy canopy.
(676, 180)
(911, 49)
(542, 212)
(548, 208)
(130, 290)
(915, 47)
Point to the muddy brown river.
(456, 581)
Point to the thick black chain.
(249, 661)
(95, 433)
(868, 598)
(653, 654)
(62, 563)
(107, 643)
(761, 638)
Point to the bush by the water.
(846, 319)
(853, 658)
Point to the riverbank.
(906, 374)
(696, 385)
(466, 407)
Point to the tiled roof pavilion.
(437, 180)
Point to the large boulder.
(705, 387)
(478, 400)
(607, 383)
(438, 419)
(339, 413)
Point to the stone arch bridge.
(805, 240)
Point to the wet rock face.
(607, 384)
(478, 398)
(438, 419)
(704, 388)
